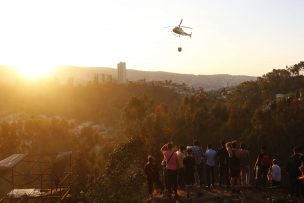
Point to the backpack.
(197, 154)
(234, 161)
(266, 160)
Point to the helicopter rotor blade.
(187, 27)
(180, 22)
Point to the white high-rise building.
(121, 72)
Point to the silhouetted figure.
(210, 164)
(234, 163)
(189, 165)
(294, 172)
(244, 165)
(198, 156)
(152, 174)
(223, 164)
(262, 166)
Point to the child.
(152, 175)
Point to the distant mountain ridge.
(85, 74)
(208, 82)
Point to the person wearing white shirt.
(275, 173)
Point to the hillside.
(135, 121)
(83, 75)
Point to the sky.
(239, 37)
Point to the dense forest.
(139, 118)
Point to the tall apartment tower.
(121, 72)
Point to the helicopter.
(178, 31)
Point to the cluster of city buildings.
(121, 75)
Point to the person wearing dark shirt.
(293, 170)
(223, 161)
(244, 165)
(152, 174)
(189, 166)
(262, 165)
(234, 166)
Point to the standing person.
(210, 164)
(181, 171)
(244, 165)
(189, 165)
(171, 160)
(293, 170)
(198, 155)
(262, 166)
(164, 172)
(234, 163)
(223, 164)
(275, 173)
(152, 174)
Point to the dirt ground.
(224, 195)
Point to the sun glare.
(34, 71)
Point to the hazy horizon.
(57, 68)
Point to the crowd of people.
(195, 167)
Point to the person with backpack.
(223, 164)
(294, 172)
(262, 165)
(197, 153)
(234, 163)
(171, 165)
(152, 174)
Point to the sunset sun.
(34, 71)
